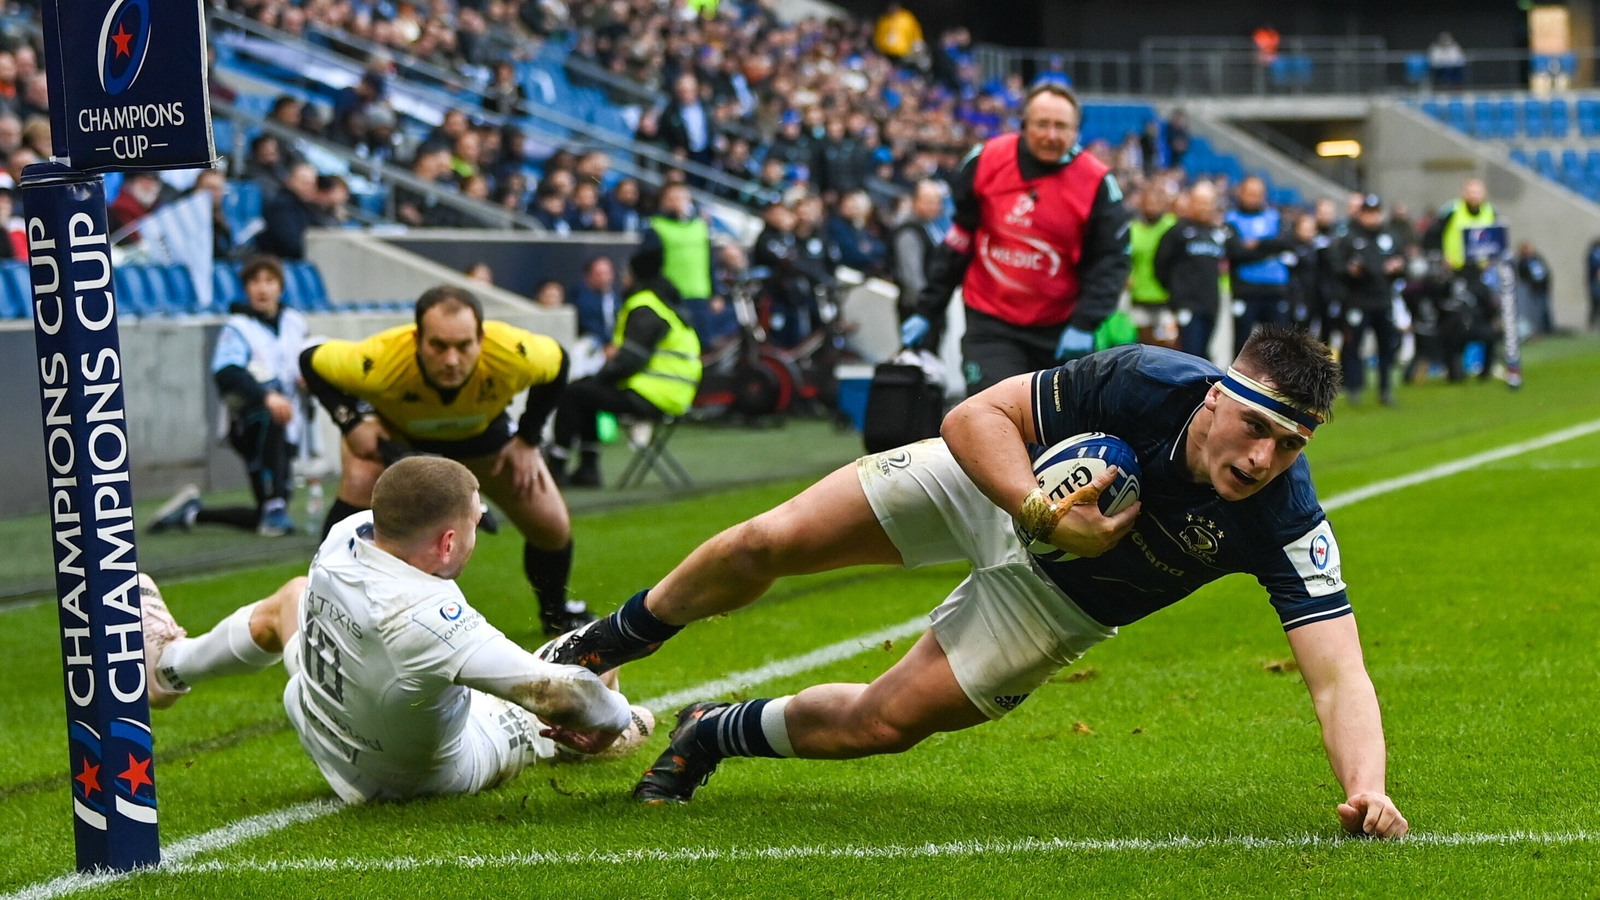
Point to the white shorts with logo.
(499, 741)
(1005, 629)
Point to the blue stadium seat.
(1545, 164)
(241, 204)
(133, 292)
(181, 295)
(1434, 109)
(1455, 115)
(16, 291)
(1558, 118)
(1570, 161)
(1520, 157)
(1506, 111)
(1417, 70)
(1535, 118)
(1588, 117)
(226, 288)
(309, 289)
(1485, 119)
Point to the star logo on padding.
(138, 773)
(121, 39)
(89, 778)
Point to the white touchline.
(176, 857)
(980, 847)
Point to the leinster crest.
(1201, 538)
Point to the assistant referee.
(1039, 246)
(441, 387)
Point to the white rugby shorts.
(499, 741)
(1005, 629)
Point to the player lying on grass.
(397, 686)
(1224, 489)
(442, 386)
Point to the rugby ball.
(1074, 463)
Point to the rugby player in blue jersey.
(1224, 489)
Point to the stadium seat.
(181, 295)
(1520, 157)
(226, 289)
(1434, 109)
(1544, 163)
(1535, 119)
(1485, 119)
(1417, 71)
(1506, 112)
(1558, 119)
(133, 292)
(1455, 115)
(241, 204)
(310, 293)
(16, 291)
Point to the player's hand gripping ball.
(1072, 465)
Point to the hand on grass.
(1372, 815)
(587, 741)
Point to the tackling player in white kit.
(398, 687)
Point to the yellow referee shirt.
(383, 371)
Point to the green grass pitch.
(1178, 760)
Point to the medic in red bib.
(1039, 246)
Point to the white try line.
(856, 852)
(178, 854)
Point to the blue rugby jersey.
(1186, 536)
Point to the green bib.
(671, 377)
(1455, 239)
(686, 252)
(1143, 238)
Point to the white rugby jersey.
(381, 643)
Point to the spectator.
(685, 124)
(216, 183)
(360, 97)
(897, 33)
(1594, 284)
(653, 370)
(1151, 313)
(1188, 264)
(265, 165)
(550, 294)
(596, 300)
(289, 214)
(140, 195)
(1176, 138)
(1533, 290)
(34, 100)
(840, 169)
(550, 208)
(1370, 259)
(480, 272)
(416, 207)
(505, 95)
(851, 230)
(586, 214)
(333, 202)
(10, 134)
(257, 371)
(1260, 280)
(14, 240)
(1447, 62)
(622, 207)
(1266, 39)
(914, 242)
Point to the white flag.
(180, 234)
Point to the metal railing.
(1195, 67)
(540, 122)
(383, 174)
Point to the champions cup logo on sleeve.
(124, 43)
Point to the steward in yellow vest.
(1471, 211)
(652, 370)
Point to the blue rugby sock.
(737, 730)
(634, 623)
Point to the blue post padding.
(91, 519)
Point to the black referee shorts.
(993, 349)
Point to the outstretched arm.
(1329, 655)
(584, 712)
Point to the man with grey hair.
(910, 248)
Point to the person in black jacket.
(1369, 259)
(643, 330)
(289, 214)
(1189, 263)
(686, 125)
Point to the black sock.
(547, 571)
(338, 513)
(638, 625)
(246, 517)
(735, 731)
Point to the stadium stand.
(1558, 137)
